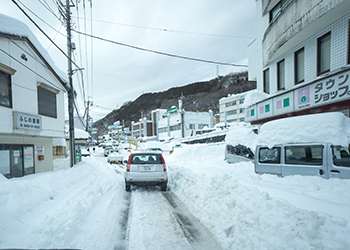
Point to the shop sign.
(27, 121)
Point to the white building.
(231, 108)
(301, 58)
(177, 123)
(31, 102)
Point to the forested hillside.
(199, 96)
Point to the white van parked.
(305, 145)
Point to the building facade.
(301, 58)
(31, 102)
(231, 108)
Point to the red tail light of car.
(164, 166)
(128, 164)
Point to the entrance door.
(28, 159)
(16, 161)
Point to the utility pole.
(71, 90)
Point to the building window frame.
(47, 100)
(299, 66)
(348, 41)
(281, 76)
(324, 54)
(6, 85)
(266, 80)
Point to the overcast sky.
(213, 30)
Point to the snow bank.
(72, 208)
(331, 127)
(249, 211)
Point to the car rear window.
(146, 159)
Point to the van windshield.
(341, 156)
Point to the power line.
(45, 34)
(158, 52)
(171, 30)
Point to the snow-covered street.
(86, 207)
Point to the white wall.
(24, 91)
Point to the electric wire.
(40, 18)
(47, 6)
(45, 34)
(171, 30)
(33, 71)
(160, 53)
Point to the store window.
(47, 100)
(299, 66)
(280, 75)
(324, 54)
(266, 81)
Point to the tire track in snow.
(197, 235)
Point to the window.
(280, 75)
(175, 127)
(240, 150)
(241, 101)
(299, 66)
(276, 10)
(192, 126)
(270, 155)
(201, 126)
(304, 155)
(229, 104)
(341, 156)
(5, 90)
(349, 42)
(47, 100)
(162, 130)
(266, 80)
(232, 112)
(324, 54)
(241, 110)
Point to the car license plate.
(147, 168)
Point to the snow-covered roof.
(12, 26)
(331, 127)
(80, 134)
(243, 135)
(253, 97)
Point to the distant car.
(85, 152)
(115, 157)
(147, 169)
(107, 150)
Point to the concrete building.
(231, 108)
(31, 102)
(177, 123)
(300, 58)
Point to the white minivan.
(320, 159)
(305, 145)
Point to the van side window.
(341, 156)
(270, 155)
(304, 155)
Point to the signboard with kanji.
(27, 121)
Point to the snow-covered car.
(108, 150)
(146, 169)
(85, 152)
(115, 157)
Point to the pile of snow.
(80, 134)
(249, 211)
(59, 142)
(331, 127)
(254, 97)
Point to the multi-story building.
(31, 102)
(231, 108)
(301, 58)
